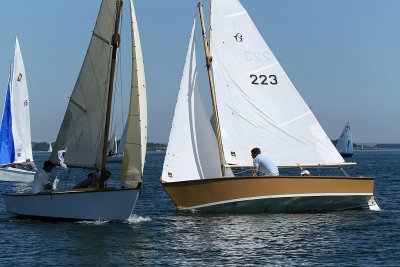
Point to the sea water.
(157, 234)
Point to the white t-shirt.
(39, 181)
(265, 165)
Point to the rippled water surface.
(156, 234)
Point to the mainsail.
(345, 142)
(258, 105)
(15, 133)
(192, 151)
(82, 130)
(136, 128)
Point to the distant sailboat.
(50, 148)
(15, 133)
(345, 142)
(116, 154)
(90, 120)
(254, 105)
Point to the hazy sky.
(342, 56)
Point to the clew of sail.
(258, 105)
(192, 151)
(82, 129)
(136, 128)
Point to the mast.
(212, 91)
(115, 45)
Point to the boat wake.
(97, 222)
(133, 219)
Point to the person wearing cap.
(263, 164)
(41, 180)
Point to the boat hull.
(8, 174)
(108, 204)
(267, 194)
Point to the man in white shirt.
(41, 180)
(263, 164)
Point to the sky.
(341, 55)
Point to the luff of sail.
(136, 128)
(257, 103)
(82, 130)
(21, 127)
(192, 151)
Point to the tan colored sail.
(136, 135)
(82, 130)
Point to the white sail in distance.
(136, 128)
(192, 151)
(21, 125)
(258, 105)
(82, 130)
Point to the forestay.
(82, 130)
(192, 151)
(257, 103)
(136, 128)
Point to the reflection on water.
(157, 234)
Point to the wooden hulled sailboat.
(15, 133)
(254, 105)
(345, 142)
(85, 131)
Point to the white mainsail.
(136, 128)
(21, 127)
(82, 130)
(192, 151)
(258, 105)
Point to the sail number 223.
(264, 79)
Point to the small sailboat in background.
(254, 105)
(345, 142)
(90, 120)
(114, 154)
(15, 132)
(50, 148)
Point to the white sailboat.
(50, 148)
(115, 155)
(254, 105)
(90, 98)
(15, 133)
(345, 142)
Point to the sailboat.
(15, 133)
(345, 142)
(85, 131)
(114, 156)
(254, 105)
(50, 148)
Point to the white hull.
(109, 204)
(8, 174)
